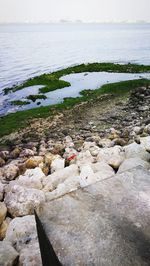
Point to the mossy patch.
(33, 98)
(16, 121)
(19, 102)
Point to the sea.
(27, 50)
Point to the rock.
(68, 142)
(138, 130)
(51, 182)
(69, 152)
(91, 146)
(33, 162)
(2, 162)
(102, 224)
(135, 150)
(4, 155)
(49, 157)
(147, 129)
(21, 232)
(132, 163)
(8, 255)
(27, 153)
(57, 165)
(15, 153)
(69, 185)
(1, 191)
(3, 211)
(145, 143)
(22, 201)
(94, 173)
(119, 141)
(32, 178)
(10, 172)
(105, 143)
(84, 157)
(30, 256)
(113, 156)
(3, 229)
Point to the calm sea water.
(28, 50)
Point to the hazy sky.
(86, 10)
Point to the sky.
(72, 10)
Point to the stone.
(8, 255)
(3, 229)
(15, 153)
(68, 142)
(30, 256)
(33, 162)
(49, 157)
(145, 142)
(22, 201)
(32, 178)
(70, 184)
(4, 155)
(3, 212)
(104, 223)
(10, 172)
(105, 143)
(138, 130)
(2, 162)
(1, 191)
(94, 173)
(27, 153)
(57, 165)
(21, 232)
(147, 129)
(52, 181)
(119, 141)
(84, 157)
(135, 150)
(132, 163)
(113, 156)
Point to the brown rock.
(3, 211)
(2, 162)
(15, 153)
(33, 162)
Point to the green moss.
(52, 81)
(19, 102)
(22, 119)
(33, 98)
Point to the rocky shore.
(86, 172)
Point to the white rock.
(70, 184)
(113, 156)
(84, 157)
(32, 178)
(145, 143)
(132, 163)
(147, 129)
(30, 255)
(9, 172)
(69, 152)
(68, 142)
(100, 172)
(22, 201)
(57, 165)
(51, 182)
(22, 231)
(136, 150)
(8, 255)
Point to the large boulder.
(30, 255)
(113, 156)
(32, 178)
(21, 232)
(22, 201)
(8, 255)
(106, 223)
(132, 163)
(135, 150)
(51, 182)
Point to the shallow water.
(79, 82)
(29, 50)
